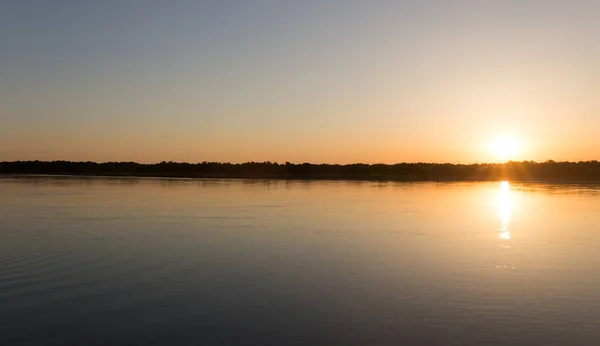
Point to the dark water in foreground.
(96, 261)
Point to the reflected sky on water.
(173, 261)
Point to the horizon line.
(310, 163)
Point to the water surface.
(224, 262)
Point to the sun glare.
(504, 148)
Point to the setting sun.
(504, 148)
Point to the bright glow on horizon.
(505, 148)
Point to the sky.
(302, 81)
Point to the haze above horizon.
(302, 81)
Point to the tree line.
(584, 171)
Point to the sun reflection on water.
(504, 204)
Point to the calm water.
(189, 262)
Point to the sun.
(504, 148)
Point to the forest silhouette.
(584, 171)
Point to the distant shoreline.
(526, 171)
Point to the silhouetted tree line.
(516, 171)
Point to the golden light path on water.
(504, 205)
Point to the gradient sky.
(318, 81)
